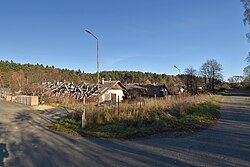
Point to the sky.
(138, 35)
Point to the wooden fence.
(24, 99)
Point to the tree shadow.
(223, 145)
(238, 92)
(39, 146)
(3, 153)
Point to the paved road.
(25, 141)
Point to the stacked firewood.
(64, 89)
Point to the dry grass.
(144, 117)
(139, 109)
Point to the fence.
(23, 99)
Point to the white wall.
(118, 92)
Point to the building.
(155, 90)
(150, 90)
(136, 90)
(111, 92)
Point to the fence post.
(84, 114)
(140, 103)
(155, 99)
(118, 107)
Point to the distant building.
(149, 90)
(136, 90)
(156, 90)
(181, 90)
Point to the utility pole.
(97, 63)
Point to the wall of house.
(107, 95)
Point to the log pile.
(65, 89)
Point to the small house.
(111, 91)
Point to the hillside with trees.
(27, 78)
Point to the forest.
(28, 78)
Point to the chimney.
(103, 81)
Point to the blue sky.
(144, 35)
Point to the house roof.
(134, 86)
(108, 85)
(155, 89)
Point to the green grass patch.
(195, 117)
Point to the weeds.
(152, 116)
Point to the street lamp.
(179, 74)
(177, 69)
(97, 61)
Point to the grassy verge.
(192, 117)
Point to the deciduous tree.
(191, 79)
(211, 71)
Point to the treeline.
(27, 77)
(138, 77)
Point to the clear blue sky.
(145, 35)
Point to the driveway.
(25, 141)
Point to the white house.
(111, 91)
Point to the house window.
(113, 97)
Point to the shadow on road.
(238, 92)
(40, 146)
(227, 144)
(3, 153)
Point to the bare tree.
(236, 81)
(246, 4)
(211, 71)
(191, 79)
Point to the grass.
(185, 114)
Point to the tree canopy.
(211, 71)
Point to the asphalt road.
(25, 141)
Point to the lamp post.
(179, 74)
(177, 69)
(97, 61)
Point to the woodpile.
(64, 89)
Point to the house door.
(113, 97)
